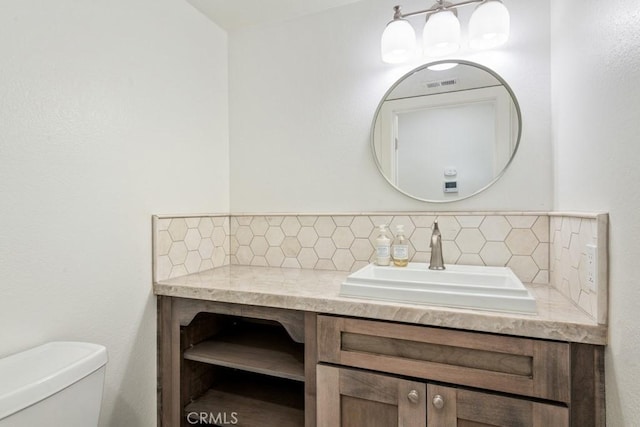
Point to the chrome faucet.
(437, 263)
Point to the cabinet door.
(447, 407)
(350, 398)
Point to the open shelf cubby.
(261, 348)
(250, 400)
(241, 371)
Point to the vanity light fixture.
(488, 27)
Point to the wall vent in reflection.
(440, 83)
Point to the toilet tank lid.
(35, 374)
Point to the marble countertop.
(318, 291)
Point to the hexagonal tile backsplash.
(346, 242)
(570, 235)
(185, 245)
(539, 248)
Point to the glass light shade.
(489, 25)
(398, 42)
(443, 66)
(441, 34)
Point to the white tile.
(325, 264)
(243, 220)
(244, 255)
(586, 235)
(290, 247)
(343, 260)
(575, 250)
(325, 248)
(307, 220)
(566, 232)
(290, 226)
(233, 245)
(206, 264)
(521, 221)
(324, 226)
(495, 253)
(424, 221)
(470, 259)
(470, 240)
(218, 236)
(219, 257)
(542, 277)
(361, 226)
(524, 267)
(259, 261)
(521, 241)
(274, 236)
(163, 267)
(206, 248)
(162, 224)
(205, 227)
(405, 221)
(274, 257)
(362, 249)
(163, 242)
(259, 246)
(307, 258)
(495, 228)
(307, 237)
(291, 263)
(541, 256)
(219, 221)
(469, 221)
(178, 253)
(178, 229)
(244, 235)
(178, 271)
(192, 239)
(421, 238)
(259, 225)
(343, 220)
(449, 227)
(275, 221)
(192, 263)
(450, 252)
(574, 284)
(358, 265)
(342, 237)
(192, 222)
(541, 229)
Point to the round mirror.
(446, 131)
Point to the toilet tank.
(55, 384)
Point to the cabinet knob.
(438, 401)
(413, 396)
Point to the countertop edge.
(428, 315)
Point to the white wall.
(596, 135)
(109, 111)
(302, 98)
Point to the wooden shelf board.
(254, 403)
(254, 348)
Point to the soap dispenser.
(400, 248)
(383, 246)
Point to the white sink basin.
(487, 288)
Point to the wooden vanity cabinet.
(452, 377)
(259, 366)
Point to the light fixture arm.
(437, 8)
